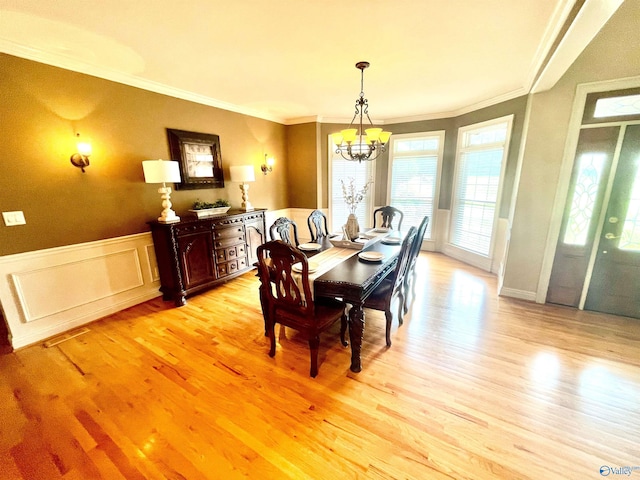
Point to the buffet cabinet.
(195, 254)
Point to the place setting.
(371, 256)
(391, 240)
(310, 247)
(297, 267)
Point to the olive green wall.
(302, 167)
(41, 108)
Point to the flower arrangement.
(353, 197)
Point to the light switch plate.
(13, 218)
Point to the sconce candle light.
(163, 171)
(267, 166)
(243, 174)
(80, 159)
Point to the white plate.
(309, 246)
(371, 256)
(381, 230)
(361, 240)
(391, 240)
(297, 267)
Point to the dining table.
(352, 279)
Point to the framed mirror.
(199, 157)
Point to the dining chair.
(286, 230)
(317, 222)
(289, 301)
(392, 286)
(410, 277)
(387, 214)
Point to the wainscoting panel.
(76, 283)
(48, 292)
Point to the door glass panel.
(630, 238)
(584, 198)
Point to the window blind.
(477, 183)
(415, 160)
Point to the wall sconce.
(267, 166)
(163, 171)
(80, 159)
(243, 174)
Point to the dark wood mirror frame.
(199, 157)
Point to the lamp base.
(167, 215)
(246, 204)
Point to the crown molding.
(593, 15)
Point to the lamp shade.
(161, 171)
(242, 173)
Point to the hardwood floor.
(474, 386)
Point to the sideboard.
(195, 254)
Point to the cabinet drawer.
(230, 253)
(226, 232)
(231, 267)
(192, 228)
(223, 243)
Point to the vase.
(352, 228)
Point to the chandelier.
(355, 143)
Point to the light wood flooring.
(474, 386)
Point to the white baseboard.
(47, 292)
(519, 294)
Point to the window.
(341, 169)
(482, 153)
(414, 173)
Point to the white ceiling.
(292, 60)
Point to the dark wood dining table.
(353, 280)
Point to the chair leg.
(401, 305)
(343, 330)
(389, 316)
(406, 287)
(272, 337)
(314, 343)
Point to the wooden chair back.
(317, 222)
(275, 267)
(286, 230)
(387, 214)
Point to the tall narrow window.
(482, 153)
(414, 167)
(341, 169)
(585, 194)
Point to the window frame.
(474, 258)
(429, 242)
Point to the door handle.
(610, 236)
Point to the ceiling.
(294, 60)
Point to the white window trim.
(473, 258)
(372, 189)
(428, 243)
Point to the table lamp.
(243, 174)
(163, 171)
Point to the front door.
(615, 281)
